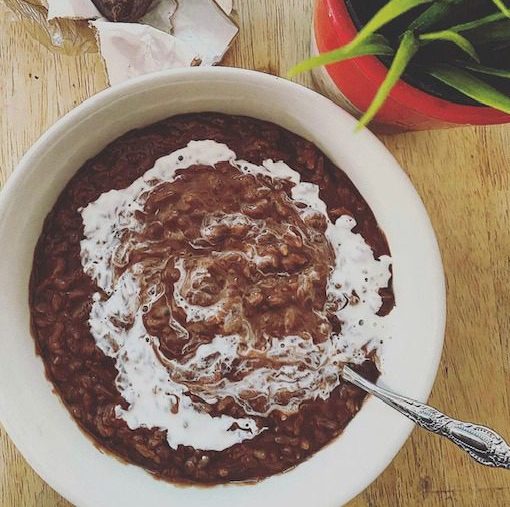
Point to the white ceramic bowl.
(34, 416)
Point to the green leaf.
(374, 45)
(432, 15)
(491, 71)
(456, 38)
(502, 7)
(471, 86)
(497, 32)
(393, 9)
(407, 49)
(477, 23)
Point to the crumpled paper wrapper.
(133, 49)
(172, 34)
(72, 9)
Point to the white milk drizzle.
(156, 399)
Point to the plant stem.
(407, 49)
(436, 12)
(491, 18)
(502, 7)
(391, 10)
(450, 36)
(375, 45)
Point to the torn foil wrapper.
(172, 34)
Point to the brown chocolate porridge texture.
(61, 293)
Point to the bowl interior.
(34, 416)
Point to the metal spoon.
(481, 443)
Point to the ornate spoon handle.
(481, 443)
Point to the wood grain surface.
(463, 176)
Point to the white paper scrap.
(205, 28)
(226, 5)
(133, 49)
(172, 34)
(160, 15)
(74, 9)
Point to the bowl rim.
(102, 98)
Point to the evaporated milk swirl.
(254, 296)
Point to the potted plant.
(414, 64)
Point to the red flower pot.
(353, 83)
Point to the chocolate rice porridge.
(195, 291)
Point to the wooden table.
(463, 176)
